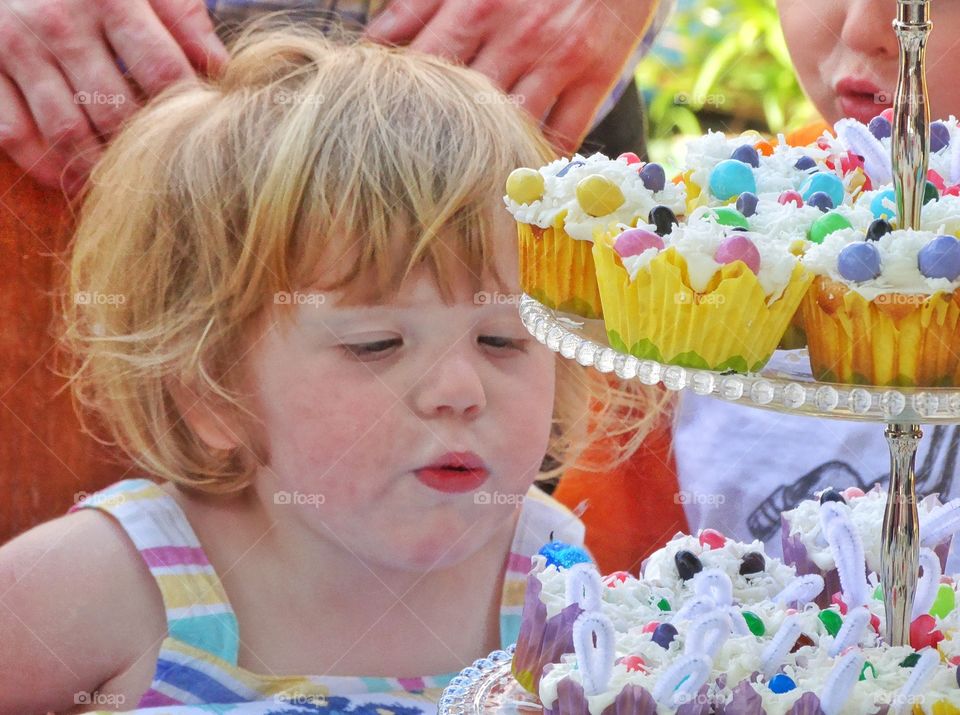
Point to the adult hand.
(559, 57)
(62, 93)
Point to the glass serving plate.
(784, 385)
(488, 686)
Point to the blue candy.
(805, 163)
(821, 200)
(747, 154)
(564, 170)
(782, 683)
(880, 127)
(653, 177)
(747, 203)
(731, 178)
(664, 634)
(563, 555)
(881, 211)
(830, 184)
(939, 137)
(859, 262)
(940, 258)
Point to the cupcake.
(708, 295)
(560, 206)
(806, 547)
(883, 308)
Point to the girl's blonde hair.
(222, 196)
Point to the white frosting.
(560, 194)
(697, 241)
(866, 513)
(899, 267)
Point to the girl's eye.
(374, 350)
(498, 342)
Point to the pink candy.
(738, 248)
(852, 493)
(611, 580)
(713, 539)
(629, 157)
(788, 197)
(635, 241)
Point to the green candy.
(863, 671)
(825, 225)
(754, 623)
(930, 192)
(944, 603)
(878, 593)
(910, 661)
(663, 604)
(832, 621)
(727, 216)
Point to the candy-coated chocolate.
(738, 248)
(598, 195)
(635, 241)
(730, 178)
(525, 185)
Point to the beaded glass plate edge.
(784, 385)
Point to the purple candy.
(939, 136)
(747, 203)
(821, 200)
(567, 167)
(880, 127)
(805, 163)
(747, 154)
(859, 262)
(664, 634)
(940, 258)
(653, 177)
(738, 248)
(635, 241)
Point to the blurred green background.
(720, 65)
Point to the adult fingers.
(402, 20)
(457, 30)
(191, 27)
(572, 114)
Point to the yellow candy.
(525, 186)
(598, 195)
(856, 180)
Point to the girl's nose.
(868, 29)
(452, 387)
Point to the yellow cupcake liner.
(894, 340)
(658, 316)
(941, 707)
(558, 270)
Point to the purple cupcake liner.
(542, 640)
(632, 700)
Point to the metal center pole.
(910, 151)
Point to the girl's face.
(405, 432)
(846, 55)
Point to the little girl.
(292, 300)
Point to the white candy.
(584, 586)
(680, 682)
(852, 630)
(941, 522)
(928, 584)
(847, 549)
(714, 584)
(781, 644)
(920, 674)
(876, 160)
(708, 634)
(801, 590)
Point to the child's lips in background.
(454, 473)
(862, 99)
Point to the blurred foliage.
(724, 65)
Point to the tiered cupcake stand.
(784, 385)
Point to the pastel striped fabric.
(359, 12)
(197, 663)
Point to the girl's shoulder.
(80, 611)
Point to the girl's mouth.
(454, 473)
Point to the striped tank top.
(197, 668)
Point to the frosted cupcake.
(709, 295)
(884, 307)
(559, 208)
